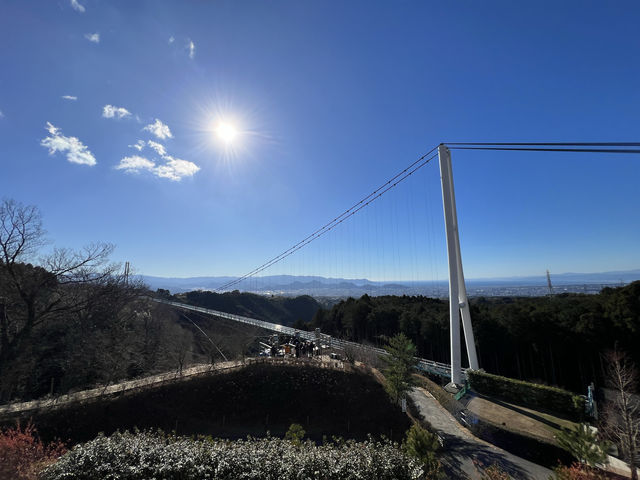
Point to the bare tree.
(363, 353)
(180, 347)
(622, 413)
(35, 292)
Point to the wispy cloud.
(135, 164)
(76, 6)
(109, 111)
(70, 97)
(76, 151)
(174, 169)
(1, 114)
(139, 145)
(181, 45)
(159, 129)
(92, 37)
(158, 147)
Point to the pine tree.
(400, 362)
(583, 443)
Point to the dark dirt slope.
(255, 400)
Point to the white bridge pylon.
(458, 302)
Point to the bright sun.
(226, 132)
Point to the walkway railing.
(437, 368)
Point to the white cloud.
(139, 145)
(109, 111)
(76, 6)
(192, 50)
(159, 129)
(176, 169)
(92, 37)
(171, 39)
(70, 97)
(76, 151)
(158, 147)
(135, 164)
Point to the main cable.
(554, 144)
(550, 149)
(377, 193)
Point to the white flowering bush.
(147, 455)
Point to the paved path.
(462, 448)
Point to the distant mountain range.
(291, 285)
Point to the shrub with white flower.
(147, 455)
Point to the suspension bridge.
(429, 366)
(459, 311)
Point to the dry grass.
(519, 419)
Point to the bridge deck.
(437, 368)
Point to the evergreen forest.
(556, 340)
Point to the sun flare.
(226, 132)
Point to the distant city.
(290, 285)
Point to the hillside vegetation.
(557, 340)
(147, 455)
(282, 310)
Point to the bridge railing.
(429, 366)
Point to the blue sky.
(330, 99)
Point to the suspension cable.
(377, 193)
(576, 147)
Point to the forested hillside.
(274, 309)
(72, 319)
(557, 340)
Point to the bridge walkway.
(430, 366)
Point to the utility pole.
(126, 273)
(549, 283)
(458, 302)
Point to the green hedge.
(528, 394)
